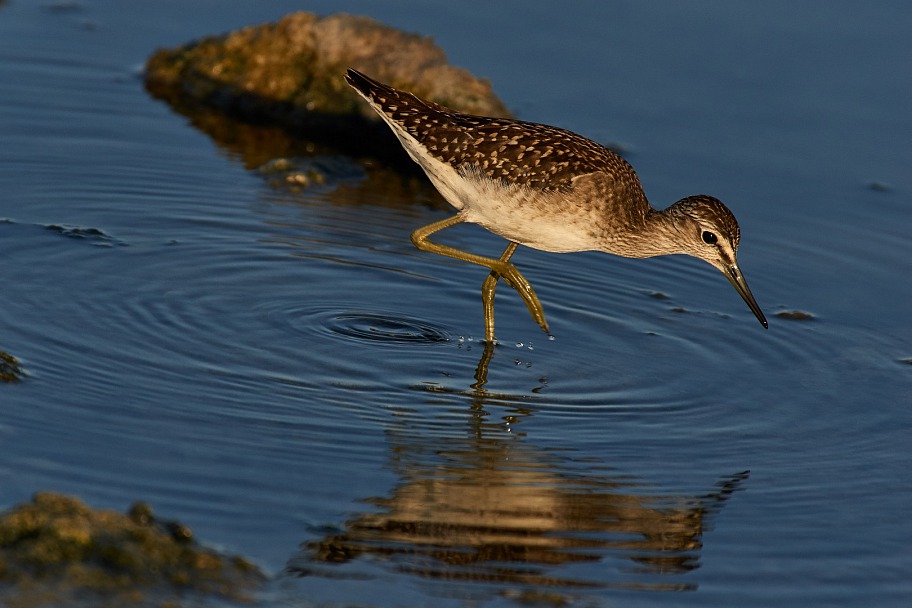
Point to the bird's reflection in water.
(486, 507)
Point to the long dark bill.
(737, 280)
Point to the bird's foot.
(517, 281)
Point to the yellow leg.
(500, 268)
(487, 293)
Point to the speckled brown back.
(530, 154)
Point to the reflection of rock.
(280, 158)
(500, 513)
(56, 550)
(289, 74)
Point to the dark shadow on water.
(481, 508)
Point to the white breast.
(529, 217)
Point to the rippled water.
(279, 368)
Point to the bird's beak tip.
(735, 277)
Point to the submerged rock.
(57, 551)
(289, 73)
(795, 315)
(10, 368)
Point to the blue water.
(281, 370)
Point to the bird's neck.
(658, 233)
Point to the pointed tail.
(365, 85)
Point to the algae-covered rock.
(290, 73)
(10, 368)
(56, 550)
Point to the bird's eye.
(709, 237)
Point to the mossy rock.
(10, 368)
(289, 73)
(56, 550)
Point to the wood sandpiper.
(548, 189)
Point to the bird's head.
(709, 231)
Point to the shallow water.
(280, 369)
